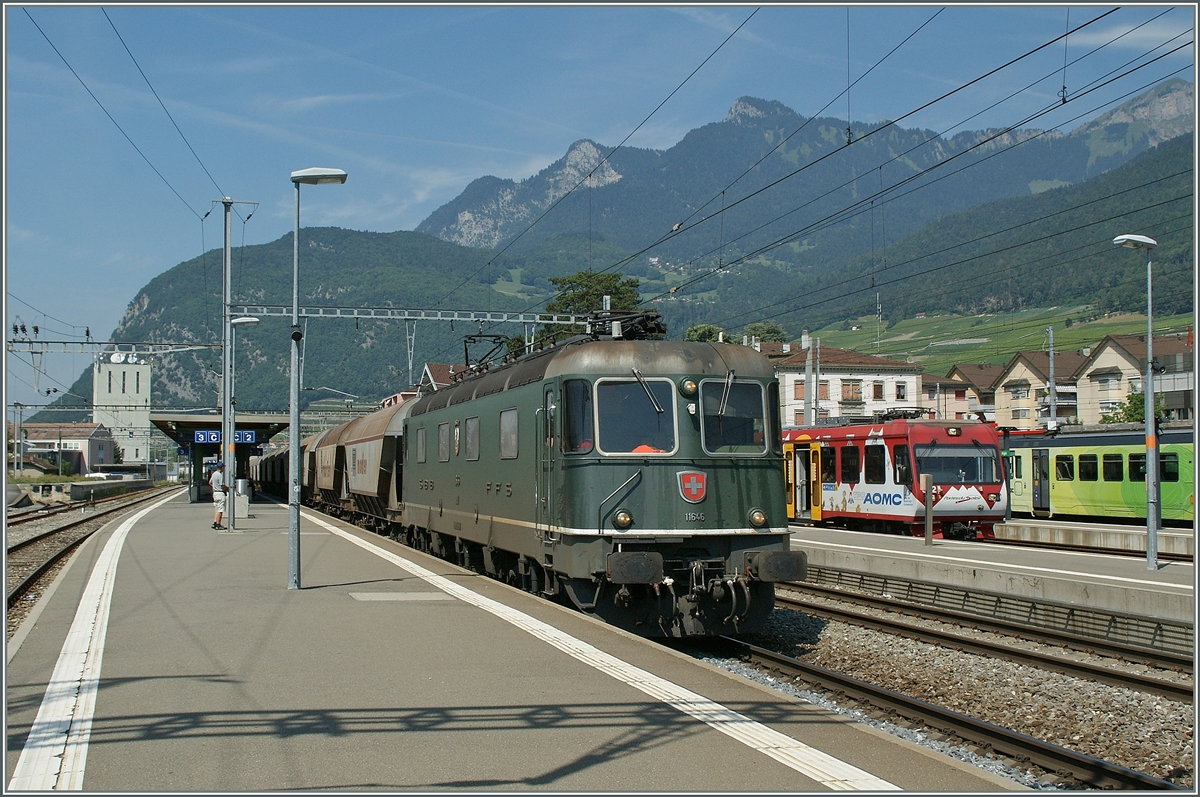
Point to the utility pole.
(1052, 421)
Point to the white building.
(121, 402)
(849, 384)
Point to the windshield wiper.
(646, 387)
(725, 395)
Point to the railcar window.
(629, 422)
(741, 429)
(828, 465)
(1113, 468)
(1089, 468)
(875, 464)
(901, 464)
(1137, 467)
(1064, 467)
(508, 434)
(443, 442)
(1168, 467)
(967, 463)
(421, 444)
(471, 433)
(850, 467)
(577, 417)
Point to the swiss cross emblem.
(692, 485)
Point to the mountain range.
(980, 220)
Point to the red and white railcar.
(868, 476)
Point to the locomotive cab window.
(734, 421)
(967, 463)
(636, 416)
(577, 431)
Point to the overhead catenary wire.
(843, 213)
(678, 229)
(603, 160)
(165, 181)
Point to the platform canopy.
(196, 431)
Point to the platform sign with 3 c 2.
(214, 436)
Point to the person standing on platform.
(219, 488)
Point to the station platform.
(1120, 584)
(169, 656)
(1171, 540)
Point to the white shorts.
(219, 500)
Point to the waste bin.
(242, 486)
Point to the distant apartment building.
(1116, 367)
(1023, 396)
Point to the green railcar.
(1100, 474)
(635, 479)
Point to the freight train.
(867, 477)
(634, 479)
(1098, 473)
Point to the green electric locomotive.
(635, 479)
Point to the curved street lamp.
(314, 176)
(1142, 242)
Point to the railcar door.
(789, 480)
(543, 510)
(814, 482)
(1041, 480)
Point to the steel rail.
(1159, 659)
(50, 511)
(1051, 757)
(17, 546)
(1078, 669)
(17, 592)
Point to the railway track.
(30, 514)
(1172, 690)
(29, 560)
(1084, 769)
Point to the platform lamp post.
(231, 472)
(1142, 242)
(316, 176)
(227, 443)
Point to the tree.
(583, 292)
(770, 331)
(704, 333)
(1133, 409)
(118, 454)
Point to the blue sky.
(415, 102)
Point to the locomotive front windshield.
(636, 417)
(734, 422)
(960, 463)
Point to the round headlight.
(757, 518)
(622, 519)
(688, 387)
